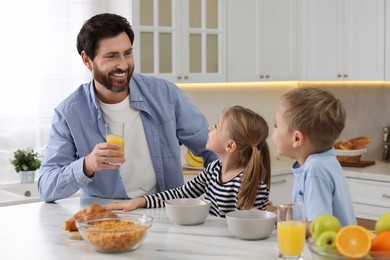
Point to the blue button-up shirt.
(168, 117)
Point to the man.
(157, 116)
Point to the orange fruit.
(381, 245)
(353, 241)
(370, 234)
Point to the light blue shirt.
(168, 117)
(321, 185)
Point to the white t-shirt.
(137, 172)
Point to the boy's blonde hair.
(317, 113)
(249, 131)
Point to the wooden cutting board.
(357, 164)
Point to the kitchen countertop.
(278, 167)
(33, 231)
(380, 171)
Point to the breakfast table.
(33, 231)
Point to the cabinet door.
(281, 188)
(387, 41)
(324, 37)
(345, 39)
(371, 198)
(180, 40)
(156, 32)
(262, 40)
(364, 40)
(203, 36)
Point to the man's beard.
(110, 84)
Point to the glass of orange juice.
(115, 135)
(291, 230)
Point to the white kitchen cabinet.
(370, 198)
(180, 40)
(344, 39)
(387, 41)
(281, 188)
(262, 40)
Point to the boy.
(307, 123)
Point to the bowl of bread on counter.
(107, 231)
(349, 153)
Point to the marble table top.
(33, 231)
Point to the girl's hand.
(127, 205)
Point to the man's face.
(113, 65)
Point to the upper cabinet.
(180, 40)
(262, 40)
(344, 39)
(387, 42)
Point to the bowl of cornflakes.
(108, 234)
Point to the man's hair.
(99, 27)
(317, 113)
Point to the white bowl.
(187, 211)
(251, 224)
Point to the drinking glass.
(291, 227)
(115, 135)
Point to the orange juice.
(291, 237)
(116, 139)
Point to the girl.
(240, 179)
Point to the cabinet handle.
(339, 75)
(386, 196)
(261, 76)
(185, 77)
(345, 75)
(266, 76)
(277, 182)
(178, 77)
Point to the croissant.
(355, 143)
(70, 224)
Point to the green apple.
(325, 245)
(383, 223)
(322, 223)
(326, 239)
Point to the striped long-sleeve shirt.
(222, 195)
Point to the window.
(40, 67)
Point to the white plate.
(356, 152)
(189, 167)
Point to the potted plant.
(26, 162)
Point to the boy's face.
(281, 136)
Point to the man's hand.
(102, 157)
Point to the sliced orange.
(353, 241)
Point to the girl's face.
(218, 137)
(281, 136)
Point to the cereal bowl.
(187, 211)
(114, 233)
(251, 224)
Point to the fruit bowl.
(109, 234)
(321, 253)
